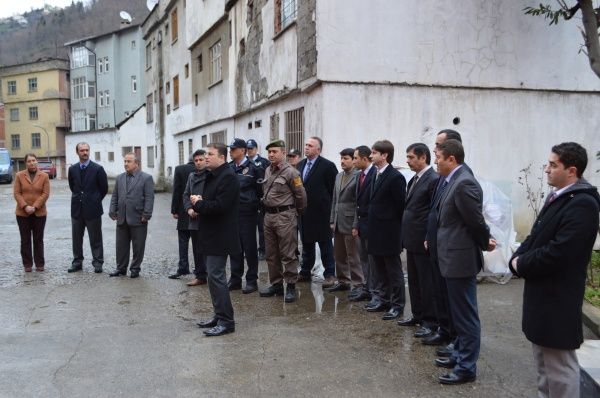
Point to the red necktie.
(362, 180)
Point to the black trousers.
(388, 271)
(183, 239)
(199, 258)
(440, 300)
(309, 256)
(219, 292)
(94, 228)
(31, 228)
(247, 234)
(420, 288)
(260, 221)
(134, 237)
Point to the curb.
(591, 317)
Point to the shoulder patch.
(298, 181)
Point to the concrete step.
(589, 362)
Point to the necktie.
(307, 169)
(412, 186)
(443, 188)
(362, 179)
(128, 180)
(550, 199)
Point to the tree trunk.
(590, 26)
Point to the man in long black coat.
(553, 261)
(179, 213)
(318, 175)
(217, 210)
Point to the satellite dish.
(151, 4)
(125, 15)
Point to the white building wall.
(201, 16)
(467, 43)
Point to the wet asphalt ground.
(88, 335)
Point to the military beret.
(276, 144)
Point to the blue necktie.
(307, 169)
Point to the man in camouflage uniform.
(283, 199)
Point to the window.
(101, 96)
(199, 63)
(148, 56)
(180, 147)
(150, 157)
(204, 141)
(257, 124)
(294, 128)
(174, 25)
(80, 56)
(133, 44)
(91, 89)
(106, 64)
(176, 92)
(168, 109)
(168, 88)
(14, 114)
(285, 14)
(274, 128)
(218, 137)
(36, 141)
(149, 109)
(101, 65)
(78, 88)
(15, 141)
(92, 122)
(97, 156)
(125, 150)
(12, 87)
(190, 146)
(215, 63)
(33, 113)
(111, 156)
(196, 99)
(82, 121)
(133, 84)
(187, 70)
(107, 97)
(32, 84)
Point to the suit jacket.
(343, 203)
(462, 233)
(180, 179)
(363, 197)
(31, 193)
(386, 208)
(418, 201)
(194, 186)
(553, 260)
(131, 203)
(87, 194)
(319, 190)
(218, 213)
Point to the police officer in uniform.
(249, 175)
(284, 198)
(254, 157)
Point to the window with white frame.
(78, 88)
(80, 56)
(134, 84)
(79, 121)
(32, 84)
(106, 69)
(14, 114)
(12, 87)
(101, 65)
(215, 63)
(107, 97)
(36, 141)
(91, 89)
(101, 98)
(285, 14)
(15, 141)
(33, 113)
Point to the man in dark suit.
(462, 234)
(386, 207)
(217, 210)
(179, 213)
(553, 261)
(414, 227)
(131, 206)
(360, 228)
(345, 244)
(318, 175)
(89, 185)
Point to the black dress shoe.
(412, 321)
(361, 296)
(250, 288)
(98, 270)
(290, 294)
(74, 269)
(218, 330)
(379, 307)
(177, 274)
(448, 363)
(134, 274)
(209, 323)
(453, 378)
(445, 351)
(338, 287)
(117, 273)
(435, 339)
(393, 313)
(234, 286)
(273, 290)
(423, 332)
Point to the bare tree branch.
(592, 41)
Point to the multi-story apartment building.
(36, 101)
(2, 129)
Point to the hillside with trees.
(42, 33)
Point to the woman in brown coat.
(31, 191)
